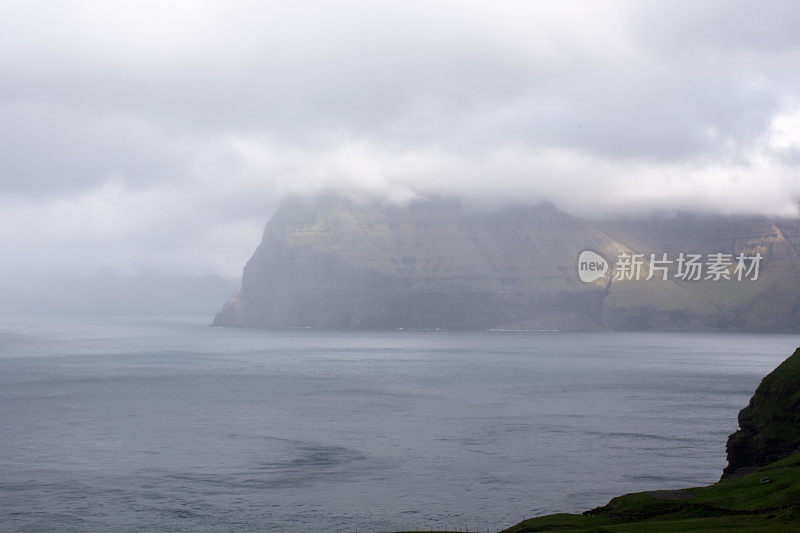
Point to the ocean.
(166, 424)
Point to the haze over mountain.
(158, 138)
(331, 262)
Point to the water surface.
(167, 424)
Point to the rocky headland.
(328, 262)
(769, 427)
(759, 491)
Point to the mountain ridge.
(330, 262)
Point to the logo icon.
(591, 266)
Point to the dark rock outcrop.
(769, 427)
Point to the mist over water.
(166, 424)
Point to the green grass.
(743, 504)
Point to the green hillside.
(770, 424)
(747, 503)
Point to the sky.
(160, 136)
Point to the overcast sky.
(161, 135)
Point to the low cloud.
(151, 137)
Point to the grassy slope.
(770, 424)
(742, 503)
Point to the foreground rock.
(770, 424)
(331, 263)
(764, 496)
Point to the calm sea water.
(167, 424)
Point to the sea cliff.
(328, 262)
(769, 427)
(759, 492)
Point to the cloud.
(151, 136)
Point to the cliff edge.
(769, 427)
(759, 491)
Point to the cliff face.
(764, 461)
(327, 262)
(770, 424)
